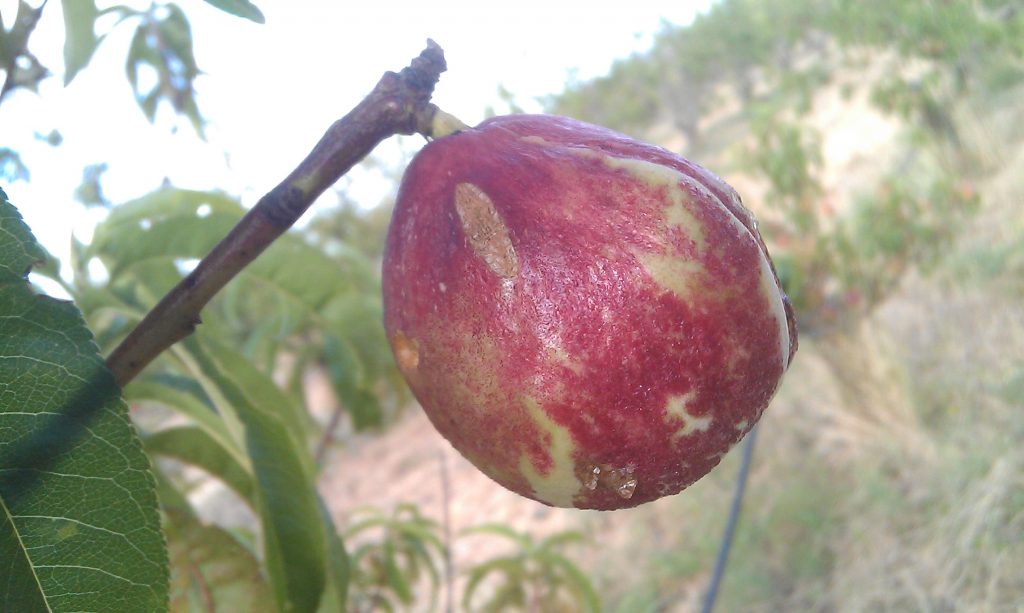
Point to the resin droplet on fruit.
(590, 320)
(619, 480)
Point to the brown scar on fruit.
(487, 233)
(407, 352)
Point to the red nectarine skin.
(592, 321)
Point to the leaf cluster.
(534, 576)
(296, 309)
(293, 310)
(160, 64)
(391, 556)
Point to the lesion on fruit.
(407, 353)
(620, 480)
(485, 230)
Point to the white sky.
(269, 91)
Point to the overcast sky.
(269, 91)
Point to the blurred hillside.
(881, 146)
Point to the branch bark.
(399, 104)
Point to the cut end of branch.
(425, 70)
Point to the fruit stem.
(398, 104)
(446, 124)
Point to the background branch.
(399, 104)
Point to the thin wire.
(730, 526)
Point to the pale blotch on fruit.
(557, 355)
(771, 292)
(681, 277)
(678, 408)
(684, 278)
(769, 287)
(536, 140)
(738, 355)
(559, 485)
(407, 353)
(657, 176)
(484, 229)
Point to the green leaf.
(50, 268)
(176, 35)
(210, 569)
(138, 53)
(193, 445)
(163, 42)
(173, 224)
(396, 578)
(19, 251)
(417, 552)
(5, 41)
(511, 567)
(576, 580)
(22, 590)
(110, 314)
(269, 397)
(27, 71)
(337, 300)
(133, 239)
(79, 509)
(348, 378)
(424, 533)
(80, 40)
(344, 368)
(510, 595)
(561, 538)
(294, 546)
(338, 565)
(523, 540)
(378, 521)
(239, 8)
(178, 393)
